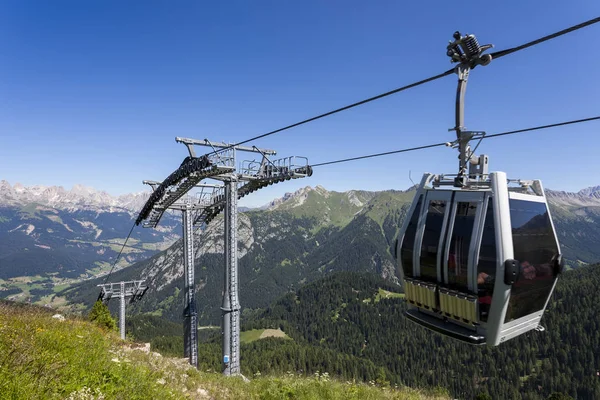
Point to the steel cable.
(535, 128)
(119, 255)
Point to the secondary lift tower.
(219, 165)
(190, 316)
(134, 290)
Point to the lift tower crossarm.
(191, 171)
(202, 200)
(219, 145)
(133, 290)
(256, 178)
(155, 184)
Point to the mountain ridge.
(78, 198)
(87, 197)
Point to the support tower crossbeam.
(132, 290)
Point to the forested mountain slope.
(347, 313)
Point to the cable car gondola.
(477, 254)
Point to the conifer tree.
(101, 316)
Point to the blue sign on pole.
(225, 359)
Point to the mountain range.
(308, 234)
(50, 236)
(77, 199)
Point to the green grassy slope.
(44, 358)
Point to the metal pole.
(463, 74)
(233, 280)
(122, 312)
(226, 306)
(190, 313)
(186, 325)
(230, 307)
(463, 139)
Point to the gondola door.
(432, 226)
(458, 290)
(459, 266)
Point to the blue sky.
(95, 92)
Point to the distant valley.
(51, 237)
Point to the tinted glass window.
(458, 251)
(535, 247)
(408, 243)
(486, 266)
(431, 239)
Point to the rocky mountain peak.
(291, 199)
(79, 197)
(83, 190)
(585, 197)
(321, 190)
(592, 191)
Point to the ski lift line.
(380, 154)
(119, 255)
(577, 121)
(445, 143)
(495, 55)
(503, 53)
(359, 103)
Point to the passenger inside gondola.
(535, 248)
(485, 283)
(486, 267)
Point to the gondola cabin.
(478, 263)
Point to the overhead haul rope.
(497, 54)
(117, 260)
(535, 128)
(359, 103)
(503, 53)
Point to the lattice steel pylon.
(218, 165)
(134, 290)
